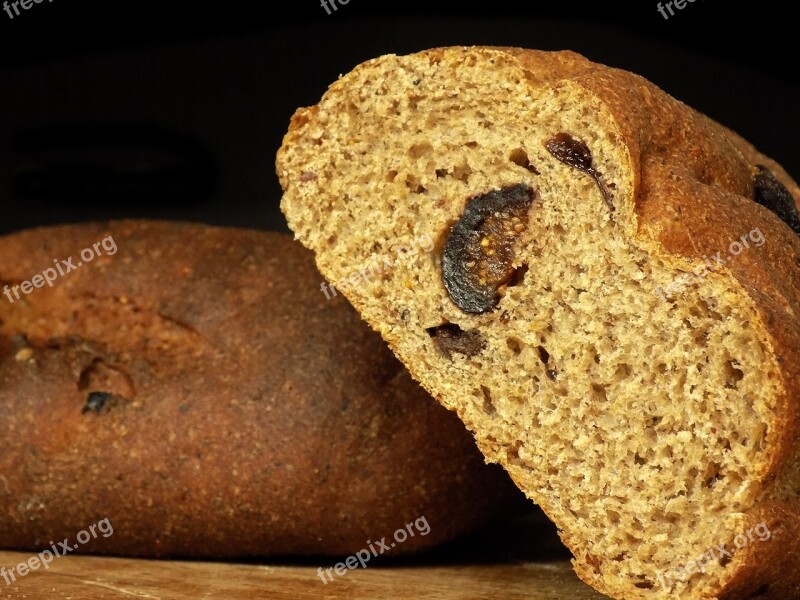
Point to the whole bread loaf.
(193, 386)
(613, 307)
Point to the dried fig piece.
(479, 250)
(451, 338)
(576, 154)
(770, 193)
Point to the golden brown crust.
(694, 197)
(253, 416)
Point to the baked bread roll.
(612, 307)
(193, 385)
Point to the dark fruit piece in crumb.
(772, 194)
(479, 250)
(451, 338)
(577, 155)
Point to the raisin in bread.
(612, 306)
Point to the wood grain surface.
(515, 559)
(92, 578)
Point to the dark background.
(139, 109)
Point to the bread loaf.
(193, 386)
(613, 307)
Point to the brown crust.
(253, 416)
(693, 196)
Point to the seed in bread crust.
(772, 194)
(577, 155)
(451, 338)
(478, 254)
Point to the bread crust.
(693, 196)
(251, 415)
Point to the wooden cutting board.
(518, 559)
(90, 578)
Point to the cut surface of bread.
(610, 300)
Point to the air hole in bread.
(544, 355)
(420, 150)
(734, 374)
(519, 157)
(514, 345)
(414, 185)
(599, 393)
(488, 404)
(462, 173)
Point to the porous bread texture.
(649, 429)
